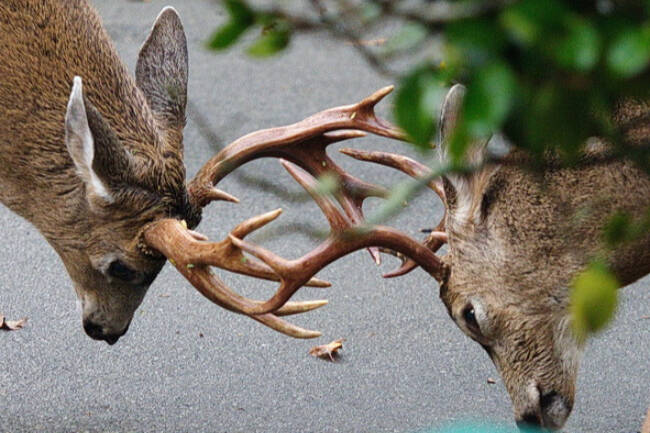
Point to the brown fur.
(516, 239)
(43, 45)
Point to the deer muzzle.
(97, 332)
(548, 411)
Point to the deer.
(93, 158)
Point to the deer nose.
(529, 422)
(552, 414)
(96, 332)
(554, 410)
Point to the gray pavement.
(189, 366)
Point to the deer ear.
(450, 111)
(81, 144)
(101, 160)
(461, 189)
(162, 68)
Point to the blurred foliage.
(548, 74)
(622, 228)
(593, 299)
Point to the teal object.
(481, 427)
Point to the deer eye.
(119, 270)
(469, 316)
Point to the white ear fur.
(449, 115)
(80, 143)
(463, 184)
(450, 110)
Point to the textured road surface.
(188, 366)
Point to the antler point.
(215, 194)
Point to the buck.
(94, 159)
(516, 240)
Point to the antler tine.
(416, 170)
(284, 327)
(226, 255)
(345, 237)
(374, 124)
(172, 239)
(215, 194)
(296, 142)
(335, 218)
(254, 223)
(291, 308)
(403, 163)
(352, 194)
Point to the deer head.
(127, 175)
(134, 209)
(511, 264)
(516, 239)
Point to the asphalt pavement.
(188, 366)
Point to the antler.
(345, 237)
(193, 256)
(304, 145)
(438, 237)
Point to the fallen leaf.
(491, 381)
(327, 350)
(11, 325)
(164, 295)
(646, 424)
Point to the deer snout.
(548, 411)
(98, 332)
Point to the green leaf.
(241, 19)
(617, 229)
(579, 49)
(227, 35)
(407, 37)
(418, 98)
(239, 11)
(479, 40)
(593, 299)
(529, 21)
(489, 99)
(271, 42)
(622, 228)
(629, 52)
(550, 104)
